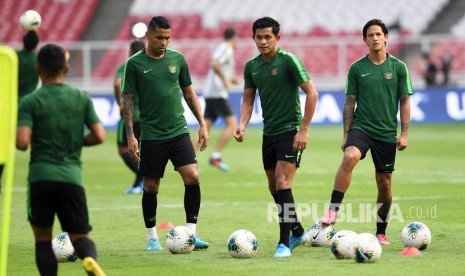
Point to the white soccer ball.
(30, 20)
(320, 234)
(242, 244)
(367, 248)
(342, 245)
(180, 240)
(416, 234)
(63, 248)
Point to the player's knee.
(192, 178)
(350, 158)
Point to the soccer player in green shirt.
(122, 141)
(27, 61)
(376, 85)
(157, 75)
(52, 120)
(277, 75)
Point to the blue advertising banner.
(441, 105)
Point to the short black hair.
(159, 22)
(30, 40)
(266, 22)
(51, 59)
(373, 22)
(229, 33)
(135, 46)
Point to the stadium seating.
(300, 19)
(319, 27)
(62, 20)
(300, 15)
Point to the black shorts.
(66, 200)
(122, 138)
(217, 107)
(382, 153)
(279, 147)
(154, 155)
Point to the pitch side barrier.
(436, 105)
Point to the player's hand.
(133, 147)
(300, 140)
(203, 138)
(402, 142)
(227, 84)
(239, 133)
(235, 80)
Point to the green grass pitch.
(428, 186)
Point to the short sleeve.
(120, 72)
(248, 81)
(405, 83)
(91, 117)
(129, 78)
(351, 82)
(298, 71)
(25, 112)
(184, 75)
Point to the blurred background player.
(157, 75)
(52, 121)
(430, 71)
(377, 84)
(220, 79)
(278, 74)
(122, 141)
(27, 61)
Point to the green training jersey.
(378, 88)
(27, 76)
(120, 75)
(278, 84)
(157, 84)
(57, 115)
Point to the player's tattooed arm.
(128, 112)
(348, 112)
(404, 113)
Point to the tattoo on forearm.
(404, 102)
(348, 113)
(128, 112)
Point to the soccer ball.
(342, 245)
(416, 234)
(320, 235)
(367, 248)
(180, 240)
(63, 248)
(242, 244)
(30, 20)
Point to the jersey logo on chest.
(388, 75)
(172, 69)
(274, 71)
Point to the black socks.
(287, 216)
(149, 209)
(85, 247)
(45, 259)
(192, 202)
(336, 200)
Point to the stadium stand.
(326, 35)
(303, 19)
(63, 20)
